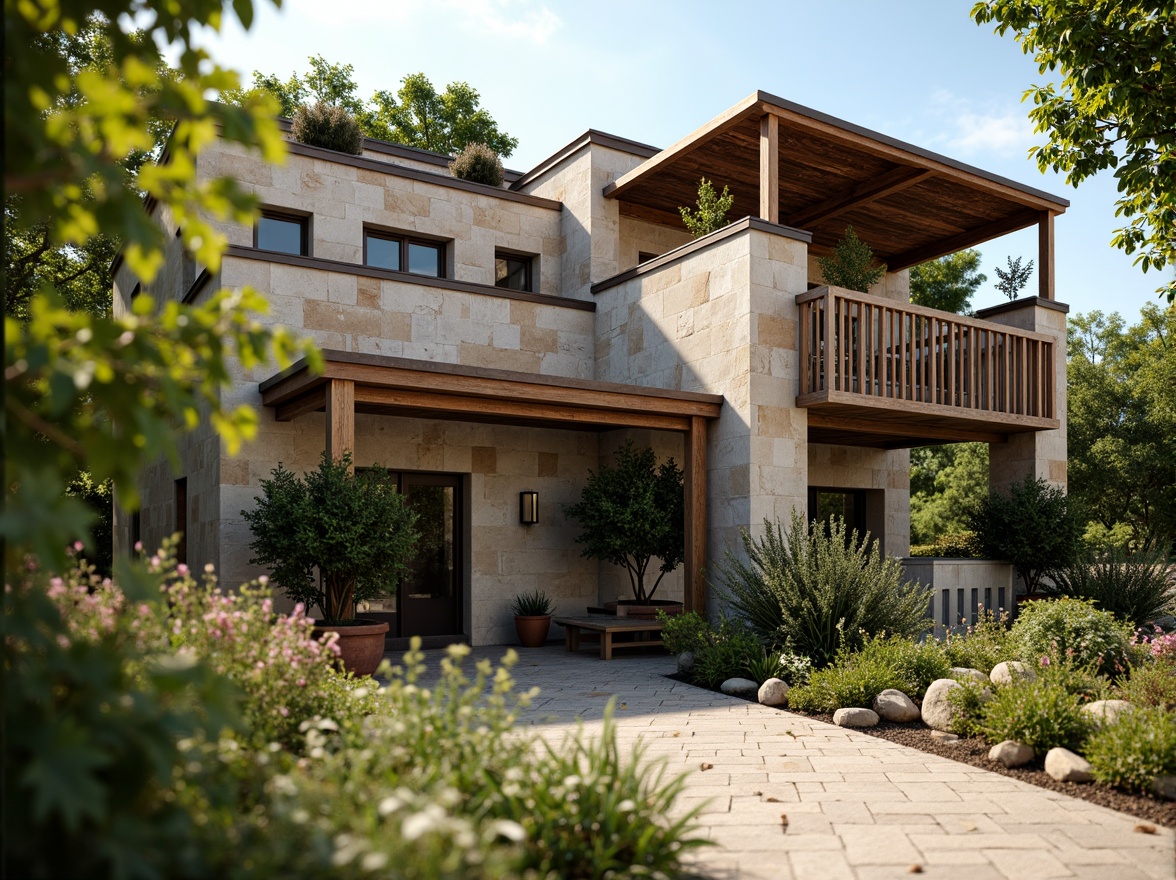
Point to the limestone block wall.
(352, 312)
(884, 474)
(342, 198)
(893, 285)
(641, 236)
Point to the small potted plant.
(532, 613)
(331, 539)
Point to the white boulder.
(1106, 711)
(1010, 670)
(1066, 766)
(894, 705)
(938, 713)
(1010, 753)
(773, 692)
(851, 717)
(964, 673)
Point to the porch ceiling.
(407, 387)
(908, 203)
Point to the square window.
(425, 258)
(512, 271)
(382, 252)
(282, 233)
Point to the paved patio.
(857, 806)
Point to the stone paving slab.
(858, 807)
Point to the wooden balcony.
(876, 372)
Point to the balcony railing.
(892, 357)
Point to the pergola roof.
(907, 203)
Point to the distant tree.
(948, 283)
(1114, 108)
(851, 265)
(416, 115)
(946, 483)
(1014, 278)
(711, 210)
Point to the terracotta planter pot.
(532, 630)
(646, 610)
(361, 643)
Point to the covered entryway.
(372, 384)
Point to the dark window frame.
(286, 216)
(404, 240)
(521, 256)
(645, 257)
(859, 505)
(181, 523)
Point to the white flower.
(507, 829)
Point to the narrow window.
(283, 233)
(513, 271)
(382, 251)
(426, 258)
(182, 519)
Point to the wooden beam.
(312, 401)
(769, 169)
(900, 429)
(693, 582)
(1045, 255)
(965, 239)
(652, 215)
(340, 405)
(863, 194)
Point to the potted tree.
(532, 613)
(333, 538)
(632, 514)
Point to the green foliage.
(329, 127)
(1133, 751)
(882, 662)
(1150, 684)
(1072, 631)
(725, 653)
(533, 604)
(354, 528)
(983, 644)
(711, 213)
(968, 702)
(851, 265)
(99, 498)
(795, 668)
(1136, 587)
(683, 632)
(948, 283)
(1113, 109)
(478, 163)
(1121, 429)
(632, 512)
(946, 483)
(1035, 527)
(765, 666)
(1014, 278)
(955, 545)
(1041, 714)
(817, 589)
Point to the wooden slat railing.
(861, 344)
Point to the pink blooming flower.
(182, 570)
(283, 711)
(1045, 660)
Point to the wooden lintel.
(1045, 255)
(291, 386)
(863, 194)
(314, 400)
(340, 406)
(965, 239)
(694, 560)
(769, 169)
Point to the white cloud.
(971, 131)
(517, 19)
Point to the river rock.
(1010, 670)
(739, 687)
(685, 661)
(773, 692)
(963, 673)
(938, 713)
(855, 717)
(894, 705)
(1165, 787)
(1066, 766)
(1107, 711)
(1010, 753)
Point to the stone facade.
(716, 315)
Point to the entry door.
(430, 593)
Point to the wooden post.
(769, 175)
(340, 418)
(1045, 255)
(693, 585)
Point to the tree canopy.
(1115, 107)
(416, 115)
(948, 283)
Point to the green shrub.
(765, 666)
(327, 126)
(479, 164)
(795, 668)
(842, 686)
(688, 631)
(851, 264)
(1151, 684)
(915, 664)
(1041, 714)
(1072, 631)
(726, 654)
(818, 589)
(1034, 527)
(1136, 587)
(1134, 750)
(956, 545)
(532, 604)
(969, 700)
(984, 644)
(711, 213)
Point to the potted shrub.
(333, 538)
(632, 514)
(532, 613)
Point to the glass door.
(430, 593)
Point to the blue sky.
(919, 70)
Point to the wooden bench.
(606, 626)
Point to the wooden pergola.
(791, 165)
(356, 383)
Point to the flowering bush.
(1042, 713)
(1136, 749)
(1073, 631)
(983, 644)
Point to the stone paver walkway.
(858, 807)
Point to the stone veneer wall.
(884, 474)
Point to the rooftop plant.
(851, 265)
(711, 213)
(477, 163)
(328, 126)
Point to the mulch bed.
(974, 750)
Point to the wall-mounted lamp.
(528, 508)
